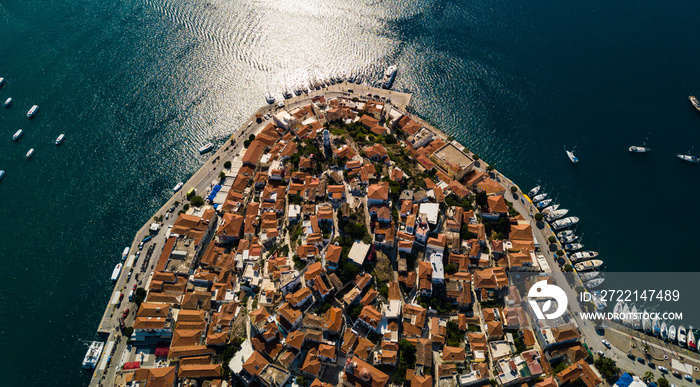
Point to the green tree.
(606, 366)
(390, 139)
(227, 165)
(139, 296)
(539, 217)
(552, 239)
(568, 268)
(560, 253)
(186, 206)
(662, 382)
(648, 376)
(197, 201)
(482, 199)
(513, 189)
(451, 268)
(222, 175)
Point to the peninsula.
(339, 240)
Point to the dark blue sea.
(138, 85)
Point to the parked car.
(651, 365)
(121, 297)
(606, 343)
(663, 369)
(126, 313)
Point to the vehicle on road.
(651, 365)
(126, 313)
(640, 360)
(606, 343)
(631, 356)
(600, 353)
(121, 296)
(663, 369)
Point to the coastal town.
(338, 240)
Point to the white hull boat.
(551, 208)
(688, 158)
(543, 203)
(178, 186)
(17, 135)
(594, 283)
(565, 233)
(558, 214)
(566, 222)
(572, 157)
(32, 111)
(93, 354)
(694, 101)
(8, 102)
(569, 239)
(655, 327)
(206, 148)
(682, 336)
(2, 174)
(534, 191)
(30, 153)
(539, 198)
(588, 275)
(588, 265)
(692, 344)
(672, 333)
(639, 149)
(116, 271)
(573, 246)
(646, 322)
(60, 139)
(583, 256)
(125, 253)
(664, 331)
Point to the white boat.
(566, 222)
(287, 94)
(2, 81)
(2, 174)
(594, 283)
(32, 111)
(178, 186)
(553, 207)
(298, 90)
(539, 198)
(635, 320)
(8, 102)
(639, 149)
(554, 215)
(664, 331)
(682, 336)
(125, 253)
(17, 135)
(572, 157)
(30, 153)
(116, 271)
(655, 327)
(692, 344)
(389, 76)
(93, 354)
(544, 203)
(60, 139)
(534, 191)
(646, 322)
(671, 333)
(573, 246)
(695, 102)
(625, 314)
(588, 265)
(588, 275)
(270, 99)
(206, 148)
(583, 256)
(564, 234)
(569, 239)
(689, 158)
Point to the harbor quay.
(336, 239)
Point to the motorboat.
(60, 139)
(125, 253)
(206, 148)
(594, 283)
(287, 94)
(682, 336)
(539, 198)
(646, 322)
(572, 157)
(573, 246)
(554, 215)
(564, 234)
(588, 275)
(32, 111)
(298, 91)
(17, 135)
(689, 158)
(352, 78)
(588, 265)
(116, 271)
(671, 333)
(2, 81)
(93, 354)
(534, 191)
(569, 239)
(583, 256)
(663, 333)
(639, 149)
(553, 207)
(178, 186)
(692, 344)
(543, 203)
(8, 102)
(566, 222)
(270, 99)
(30, 153)
(389, 77)
(2, 174)
(693, 100)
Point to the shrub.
(552, 239)
(227, 165)
(513, 189)
(568, 267)
(539, 217)
(197, 201)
